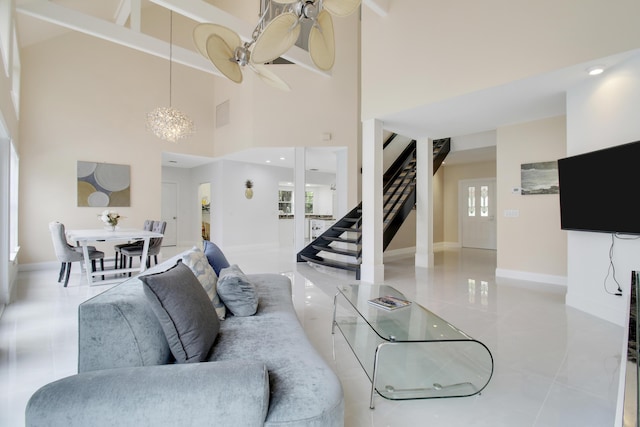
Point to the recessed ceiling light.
(268, 161)
(282, 158)
(595, 70)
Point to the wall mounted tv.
(599, 190)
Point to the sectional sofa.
(259, 370)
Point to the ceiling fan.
(224, 48)
(282, 32)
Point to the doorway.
(169, 213)
(477, 213)
(204, 195)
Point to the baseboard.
(447, 245)
(39, 266)
(394, 254)
(532, 277)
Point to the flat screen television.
(599, 190)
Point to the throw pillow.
(215, 256)
(184, 310)
(196, 260)
(237, 292)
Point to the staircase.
(341, 245)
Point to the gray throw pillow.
(237, 292)
(188, 319)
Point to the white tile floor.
(554, 366)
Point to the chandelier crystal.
(169, 123)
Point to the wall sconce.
(248, 192)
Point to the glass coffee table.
(409, 352)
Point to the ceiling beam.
(64, 17)
(196, 10)
(381, 7)
(200, 11)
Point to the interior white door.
(170, 213)
(477, 211)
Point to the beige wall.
(453, 174)
(533, 242)
(262, 116)
(86, 99)
(425, 50)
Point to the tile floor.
(554, 365)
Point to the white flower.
(110, 217)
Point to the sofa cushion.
(197, 261)
(215, 256)
(185, 312)
(237, 292)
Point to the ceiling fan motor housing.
(241, 55)
(309, 9)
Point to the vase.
(111, 227)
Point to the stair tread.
(343, 240)
(347, 229)
(332, 263)
(339, 251)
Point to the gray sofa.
(262, 369)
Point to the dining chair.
(147, 226)
(154, 246)
(68, 254)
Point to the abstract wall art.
(103, 184)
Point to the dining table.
(84, 237)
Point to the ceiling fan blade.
(221, 54)
(202, 32)
(269, 77)
(276, 38)
(322, 47)
(341, 8)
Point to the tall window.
(484, 200)
(471, 202)
(13, 202)
(5, 34)
(308, 202)
(473, 199)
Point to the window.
(15, 75)
(5, 34)
(285, 200)
(308, 202)
(484, 201)
(471, 202)
(13, 202)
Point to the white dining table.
(85, 237)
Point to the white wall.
(238, 222)
(601, 113)
(464, 46)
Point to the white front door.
(170, 213)
(477, 212)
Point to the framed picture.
(103, 184)
(539, 178)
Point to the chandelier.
(169, 123)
